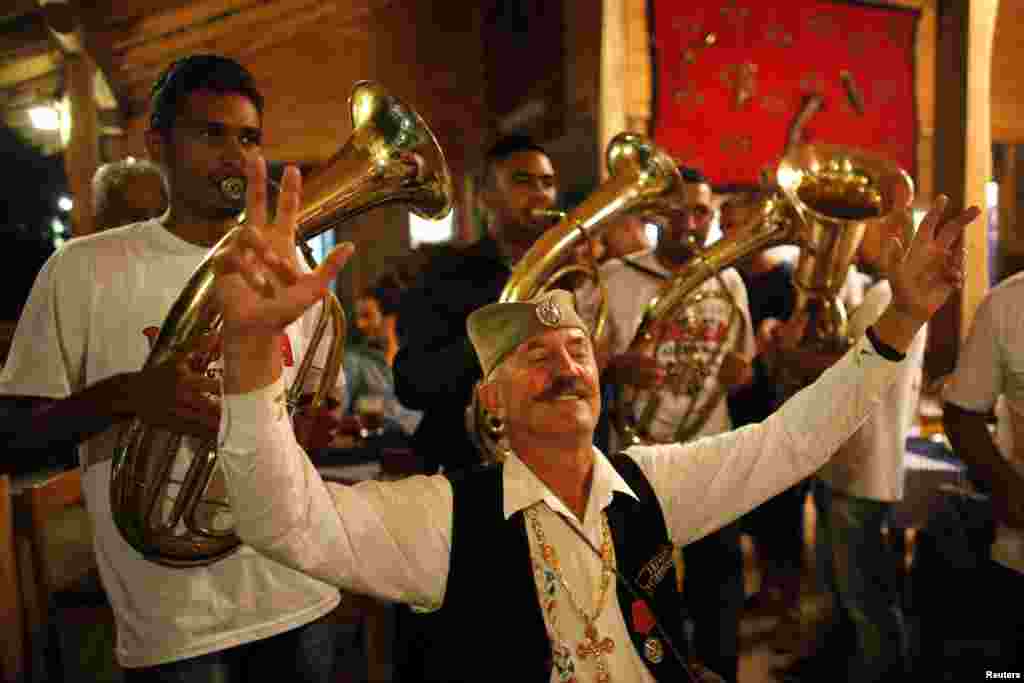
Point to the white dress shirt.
(392, 540)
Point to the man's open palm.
(260, 287)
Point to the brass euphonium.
(829, 197)
(181, 520)
(642, 178)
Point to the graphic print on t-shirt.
(691, 347)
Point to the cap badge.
(549, 313)
(654, 651)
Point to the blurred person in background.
(128, 191)
(368, 361)
(435, 368)
(625, 234)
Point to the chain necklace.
(592, 644)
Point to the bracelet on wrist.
(884, 350)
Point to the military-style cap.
(497, 329)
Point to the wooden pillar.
(611, 110)
(13, 666)
(963, 156)
(1011, 235)
(638, 74)
(924, 76)
(82, 154)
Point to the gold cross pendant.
(592, 645)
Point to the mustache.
(565, 386)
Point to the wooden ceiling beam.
(120, 14)
(127, 34)
(247, 23)
(27, 93)
(66, 27)
(247, 44)
(26, 69)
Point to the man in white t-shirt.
(87, 329)
(715, 334)
(990, 375)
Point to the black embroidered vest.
(491, 626)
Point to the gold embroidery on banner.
(652, 573)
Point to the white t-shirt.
(91, 314)
(705, 331)
(990, 373)
(870, 464)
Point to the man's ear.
(156, 145)
(488, 393)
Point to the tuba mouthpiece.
(233, 188)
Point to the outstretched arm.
(731, 473)
(261, 288)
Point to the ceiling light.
(64, 203)
(44, 118)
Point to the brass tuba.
(184, 519)
(643, 179)
(828, 198)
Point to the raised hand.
(933, 265)
(260, 287)
(923, 275)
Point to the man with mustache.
(557, 564)
(435, 369)
(76, 363)
(717, 332)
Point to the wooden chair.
(12, 645)
(63, 571)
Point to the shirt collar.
(522, 488)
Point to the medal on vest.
(643, 622)
(654, 651)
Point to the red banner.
(737, 81)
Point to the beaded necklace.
(592, 644)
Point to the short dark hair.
(198, 72)
(692, 175)
(503, 149)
